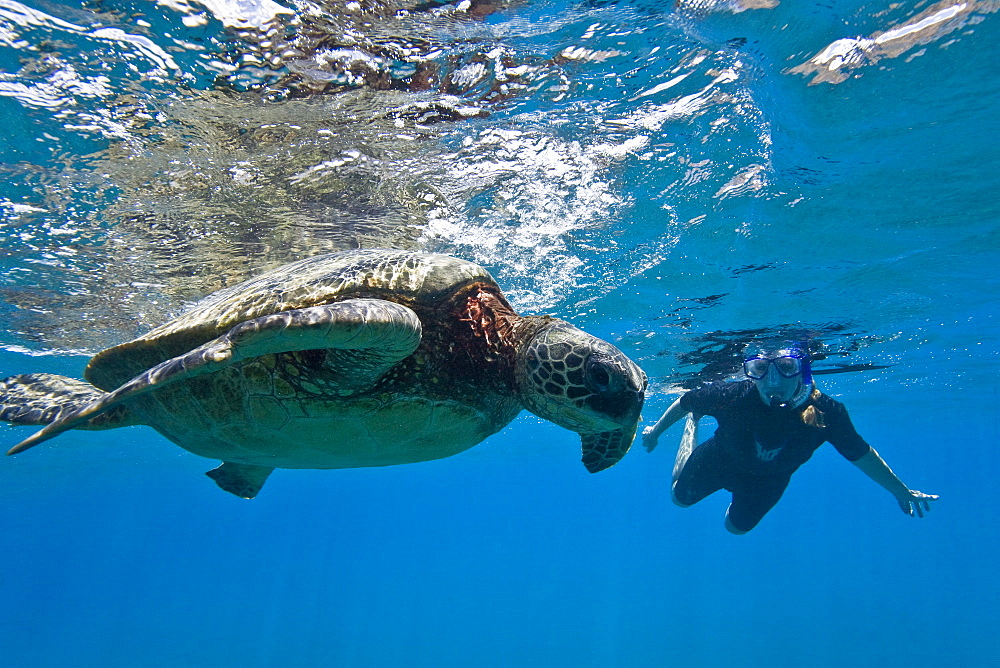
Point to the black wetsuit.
(756, 448)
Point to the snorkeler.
(768, 426)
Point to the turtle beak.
(605, 449)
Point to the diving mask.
(788, 365)
(783, 377)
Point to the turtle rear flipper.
(387, 332)
(44, 398)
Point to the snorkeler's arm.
(650, 435)
(909, 500)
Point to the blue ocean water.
(673, 177)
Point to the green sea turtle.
(358, 358)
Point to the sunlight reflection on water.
(589, 155)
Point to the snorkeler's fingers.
(904, 505)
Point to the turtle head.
(584, 384)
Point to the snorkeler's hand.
(649, 440)
(916, 502)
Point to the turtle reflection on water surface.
(358, 358)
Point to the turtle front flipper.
(604, 450)
(243, 480)
(387, 332)
(43, 398)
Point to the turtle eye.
(600, 375)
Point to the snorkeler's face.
(777, 390)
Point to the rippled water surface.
(674, 177)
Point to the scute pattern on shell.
(401, 276)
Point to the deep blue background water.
(674, 221)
